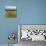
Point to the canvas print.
(31, 33)
(10, 11)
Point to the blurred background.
(28, 12)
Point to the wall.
(33, 12)
(28, 12)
